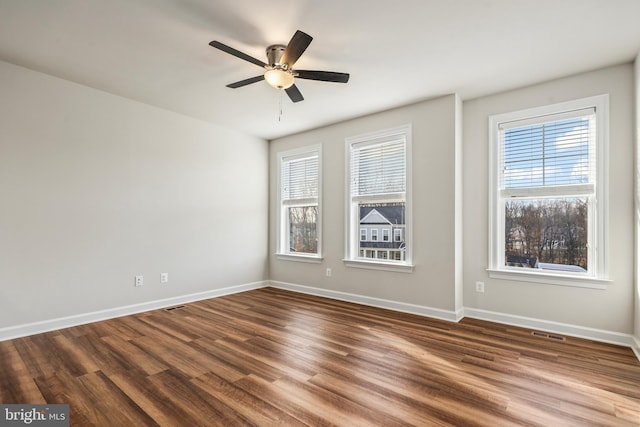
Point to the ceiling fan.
(280, 73)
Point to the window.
(548, 208)
(299, 195)
(363, 235)
(379, 184)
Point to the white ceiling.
(397, 52)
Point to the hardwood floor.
(272, 357)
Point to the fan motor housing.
(274, 55)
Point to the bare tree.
(551, 230)
(303, 236)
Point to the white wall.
(459, 208)
(96, 188)
(432, 284)
(637, 204)
(444, 279)
(610, 309)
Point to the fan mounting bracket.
(274, 55)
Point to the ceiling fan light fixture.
(279, 71)
(279, 79)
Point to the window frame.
(597, 276)
(352, 235)
(282, 230)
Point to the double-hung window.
(299, 211)
(379, 198)
(548, 207)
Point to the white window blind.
(379, 167)
(299, 180)
(549, 151)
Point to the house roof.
(393, 214)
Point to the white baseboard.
(18, 331)
(617, 338)
(635, 346)
(549, 326)
(626, 340)
(421, 310)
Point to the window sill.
(314, 259)
(377, 265)
(550, 279)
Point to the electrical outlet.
(329, 272)
(164, 277)
(139, 281)
(480, 287)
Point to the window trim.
(281, 227)
(351, 249)
(598, 278)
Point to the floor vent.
(548, 336)
(177, 307)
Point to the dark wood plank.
(273, 357)
(253, 408)
(16, 382)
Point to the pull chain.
(280, 106)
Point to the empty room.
(300, 213)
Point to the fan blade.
(294, 94)
(324, 76)
(223, 47)
(245, 82)
(296, 47)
